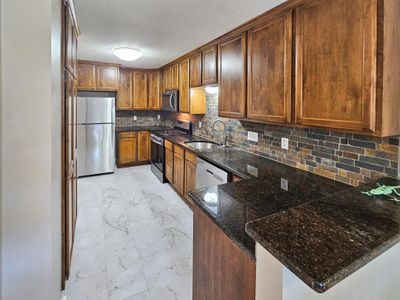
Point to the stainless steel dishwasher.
(209, 175)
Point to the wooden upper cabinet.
(139, 80)
(71, 43)
(124, 100)
(336, 64)
(232, 77)
(154, 90)
(209, 67)
(143, 146)
(184, 89)
(86, 76)
(269, 73)
(174, 77)
(195, 70)
(107, 77)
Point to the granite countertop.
(324, 241)
(140, 128)
(320, 229)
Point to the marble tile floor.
(133, 239)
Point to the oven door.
(157, 154)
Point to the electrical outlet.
(285, 143)
(134, 118)
(284, 184)
(252, 136)
(158, 117)
(200, 124)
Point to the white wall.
(31, 149)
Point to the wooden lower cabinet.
(221, 270)
(133, 148)
(179, 169)
(143, 146)
(169, 161)
(190, 174)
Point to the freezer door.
(92, 110)
(96, 149)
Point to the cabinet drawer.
(189, 156)
(125, 135)
(179, 151)
(169, 145)
(169, 157)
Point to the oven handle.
(170, 100)
(156, 142)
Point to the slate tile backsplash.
(125, 118)
(346, 157)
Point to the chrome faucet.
(225, 133)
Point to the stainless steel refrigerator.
(96, 133)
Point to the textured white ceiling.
(162, 29)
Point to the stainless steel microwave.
(170, 101)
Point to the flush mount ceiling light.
(127, 54)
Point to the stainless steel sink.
(203, 145)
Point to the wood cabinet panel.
(139, 83)
(179, 150)
(336, 64)
(269, 74)
(169, 145)
(71, 43)
(184, 89)
(179, 173)
(190, 179)
(221, 270)
(124, 100)
(195, 70)
(107, 77)
(209, 67)
(191, 157)
(174, 77)
(232, 77)
(143, 146)
(169, 165)
(127, 149)
(86, 76)
(154, 90)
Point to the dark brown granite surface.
(139, 128)
(320, 229)
(324, 241)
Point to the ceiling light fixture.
(127, 54)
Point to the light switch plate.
(252, 170)
(285, 143)
(284, 184)
(134, 118)
(200, 124)
(252, 136)
(158, 117)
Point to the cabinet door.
(174, 77)
(195, 70)
(169, 165)
(269, 75)
(124, 100)
(209, 66)
(190, 179)
(154, 90)
(179, 173)
(166, 79)
(143, 146)
(336, 64)
(127, 148)
(232, 77)
(184, 90)
(86, 76)
(139, 79)
(221, 270)
(107, 77)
